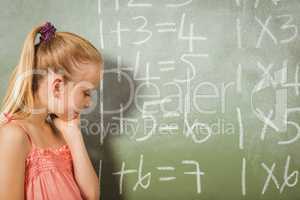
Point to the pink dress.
(49, 173)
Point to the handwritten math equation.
(288, 176)
(187, 31)
(191, 98)
(184, 80)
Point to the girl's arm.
(14, 146)
(84, 172)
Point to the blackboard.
(200, 98)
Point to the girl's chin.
(75, 115)
(72, 115)
(68, 116)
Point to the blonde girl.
(42, 151)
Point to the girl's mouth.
(76, 114)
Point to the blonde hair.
(64, 52)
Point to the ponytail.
(19, 92)
(56, 51)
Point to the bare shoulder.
(13, 137)
(13, 152)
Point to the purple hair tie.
(47, 32)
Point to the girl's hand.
(69, 129)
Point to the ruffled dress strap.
(49, 173)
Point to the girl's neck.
(38, 119)
(39, 114)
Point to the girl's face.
(73, 97)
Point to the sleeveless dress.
(49, 173)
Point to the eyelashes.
(90, 93)
(87, 94)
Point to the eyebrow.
(92, 88)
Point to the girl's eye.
(87, 94)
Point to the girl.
(42, 151)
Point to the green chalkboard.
(200, 98)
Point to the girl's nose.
(88, 105)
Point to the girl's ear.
(57, 87)
(56, 83)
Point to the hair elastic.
(47, 32)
